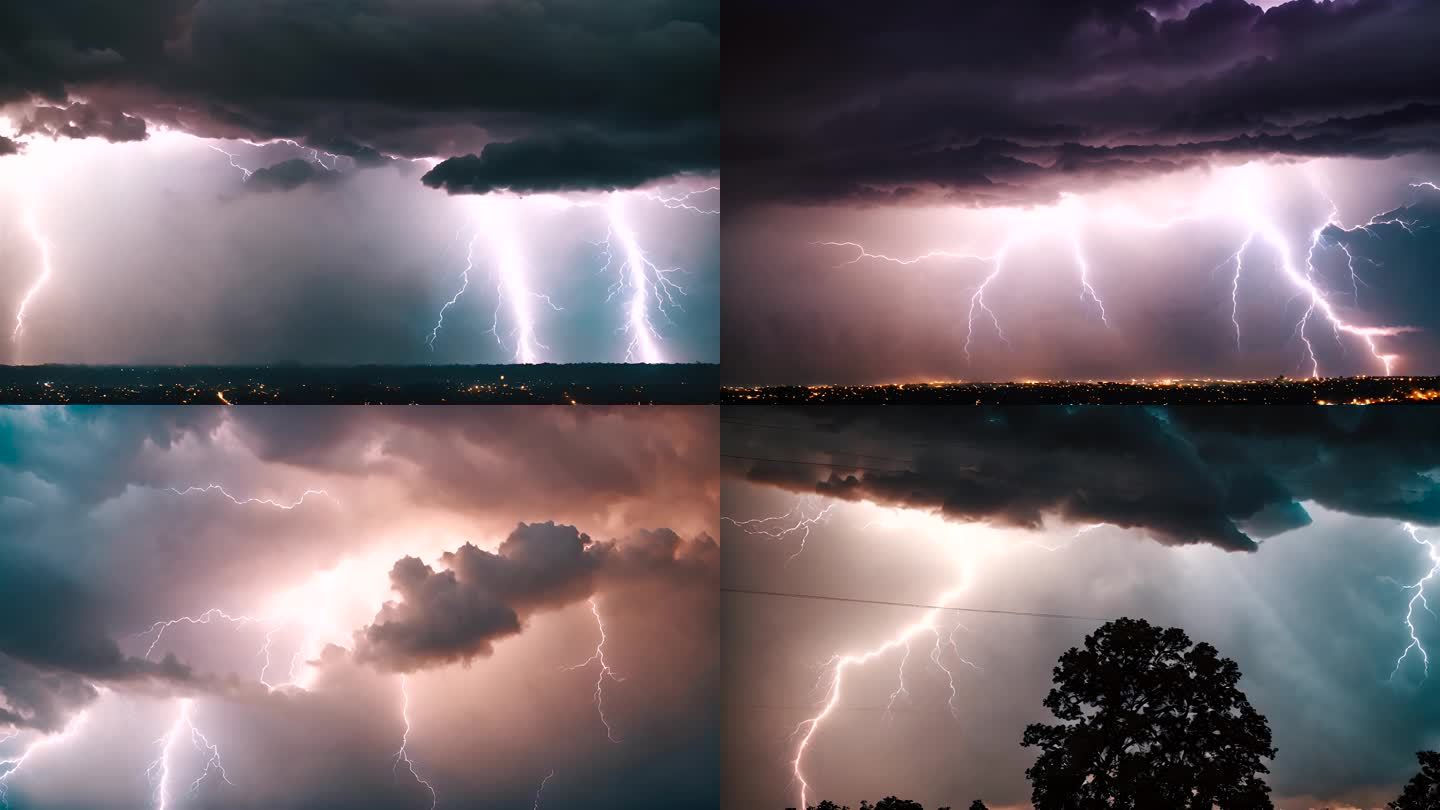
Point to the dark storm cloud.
(574, 162)
(8, 147)
(414, 79)
(457, 614)
(288, 175)
(1013, 102)
(1217, 476)
(83, 121)
(54, 648)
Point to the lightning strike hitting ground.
(1418, 597)
(242, 502)
(1239, 199)
(493, 220)
(782, 527)
(604, 673)
(540, 790)
(837, 666)
(9, 767)
(159, 772)
(644, 280)
(403, 755)
(46, 270)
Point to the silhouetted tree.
(1149, 722)
(978, 805)
(1423, 790)
(892, 803)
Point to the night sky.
(1060, 190)
(454, 555)
(242, 182)
(1280, 536)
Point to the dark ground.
(1280, 391)
(579, 384)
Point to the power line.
(992, 611)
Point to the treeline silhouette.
(1149, 720)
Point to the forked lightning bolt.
(159, 771)
(1418, 597)
(46, 270)
(12, 765)
(682, 201)
(493, 222)
(403, 755)
(287, 506)
(603, 673)
(1240, 201)
(639, 282)
(837, 666)
(782, 527)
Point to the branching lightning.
(403, 755)
(1418, 597)
(159, 772)
(782, 527)
(9, 767)
(1240, 201)
(46, 270)
(195, 490)
(604, 672)
(682, 201)
(833, 678)
(643, 280)
(492, 221)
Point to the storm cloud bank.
(407, 79)
(1226, 477)
(1011, 103)
(459, 613)
(115, 519)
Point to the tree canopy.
(1148, 720)
(1422, 792)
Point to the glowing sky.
(205, 181)
(1080, 190)
(1092, 513)
(349, 572)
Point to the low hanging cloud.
(574, 162)
(1226, 477)
(420, 78)
(1013, 103)
(457, 614)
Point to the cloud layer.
(1225, 477)
(411, 79)
(1008, 103)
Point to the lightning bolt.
(604, 673)
(644, 280)
(46, 270)
(1239, 201)
(781, 527)
(540, 790)
(682, 201)
(234, 160)
(242, 502)
(493, 220)
(1418, 597)
(403, 755)
(833, 676)
(159, 771)
(9, 767)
